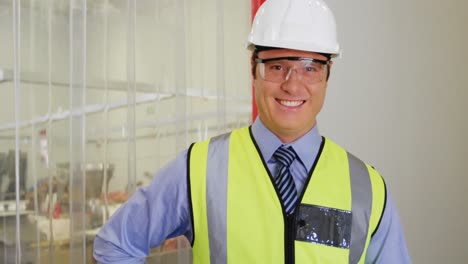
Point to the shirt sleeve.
(152, 215)
(388, 246)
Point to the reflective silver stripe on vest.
(216, 197)
(361, 191)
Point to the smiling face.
(289, 109)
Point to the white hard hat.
(307, 25)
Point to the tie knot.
(285, 155)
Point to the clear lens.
(278, 71)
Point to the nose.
(292, 82)
(290, 73)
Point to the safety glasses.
(279, 70)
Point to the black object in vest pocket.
(322, 225)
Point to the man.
(276, 192)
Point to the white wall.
(397, 99)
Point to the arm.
(149, 217)
(388, 246)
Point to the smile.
(291, 103)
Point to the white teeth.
(291, 103)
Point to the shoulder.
(377, 183)
(219, 139)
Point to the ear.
(253, 66)
(329, 66)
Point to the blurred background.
(97, 95)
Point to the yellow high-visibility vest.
(238, 217)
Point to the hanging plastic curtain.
(96, 96)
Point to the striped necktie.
(284, 179)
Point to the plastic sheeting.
(97, 95)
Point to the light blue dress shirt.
(161, 210)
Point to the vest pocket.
(323, 225)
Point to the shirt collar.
(268, 143)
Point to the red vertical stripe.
(255, 5)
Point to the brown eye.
(276, 67)
(312, 68)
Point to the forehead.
(273, 53)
